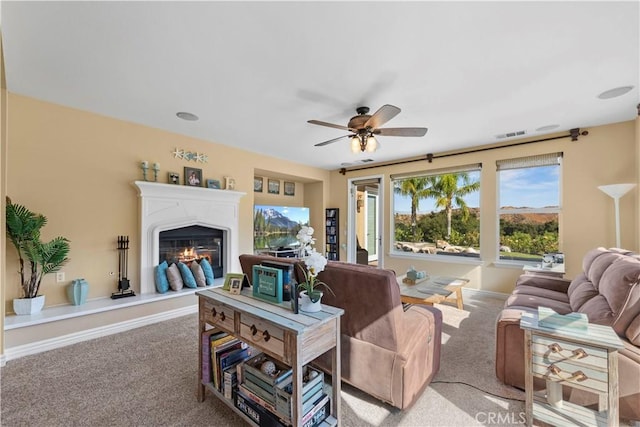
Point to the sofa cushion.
(633, 331)
(542, 292)
(528, 301)
(380, 322)
(608, 291)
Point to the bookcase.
(293, 340)
(332, 222)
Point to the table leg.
(459, 298)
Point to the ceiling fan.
(365, 126)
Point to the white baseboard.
(62, 341)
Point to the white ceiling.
(255, 72)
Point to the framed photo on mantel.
(192, 177)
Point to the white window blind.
(420, 174)
(551, 159)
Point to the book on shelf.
(258, 414)
(316, 415)
(230, 381)
(207, 337)
(216, 353)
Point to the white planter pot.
(28, 305)
(306, 305)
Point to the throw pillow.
(208, 271)
(174, 277)
(162, 283)
(187, 275)
(198, 274)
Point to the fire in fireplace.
(191, 243)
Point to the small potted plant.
(314, 262)
(23, 229)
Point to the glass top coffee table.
(432, 290)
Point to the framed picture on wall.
(192, 177)
(289, 188)
(274, 186)
(257, 184)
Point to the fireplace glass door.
(191, 243)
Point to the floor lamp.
(616, 191)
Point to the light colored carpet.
(146, 377)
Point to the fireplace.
(167, 209)
(186, 244)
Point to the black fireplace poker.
(123, 265)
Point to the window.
(437, 212)
(529, 206)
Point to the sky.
(530, 187)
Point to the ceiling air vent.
(511, 134)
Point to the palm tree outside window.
(438, 213)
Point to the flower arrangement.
(315, 263)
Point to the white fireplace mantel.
(168, 206)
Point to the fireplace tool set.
(123, 265)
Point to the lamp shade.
(355, 144)
(372, 144)
(616, 190)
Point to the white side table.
(557, 270)
(586, 360)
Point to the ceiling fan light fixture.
(355, 144)
(372, 144)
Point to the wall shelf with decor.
(332, 234)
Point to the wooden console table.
(294, 339)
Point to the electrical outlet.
(60, 276)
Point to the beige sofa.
(607, 291)
(388, 351)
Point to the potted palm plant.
(23, 229)
(314, 262)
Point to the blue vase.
(77, 291)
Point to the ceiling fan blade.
(401, 131)
(320, 144)
(382, 116)
(331, 125)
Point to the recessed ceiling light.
(616, 91)
(187, 116)
(546, 128)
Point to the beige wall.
(77, 168)
(602, 157)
